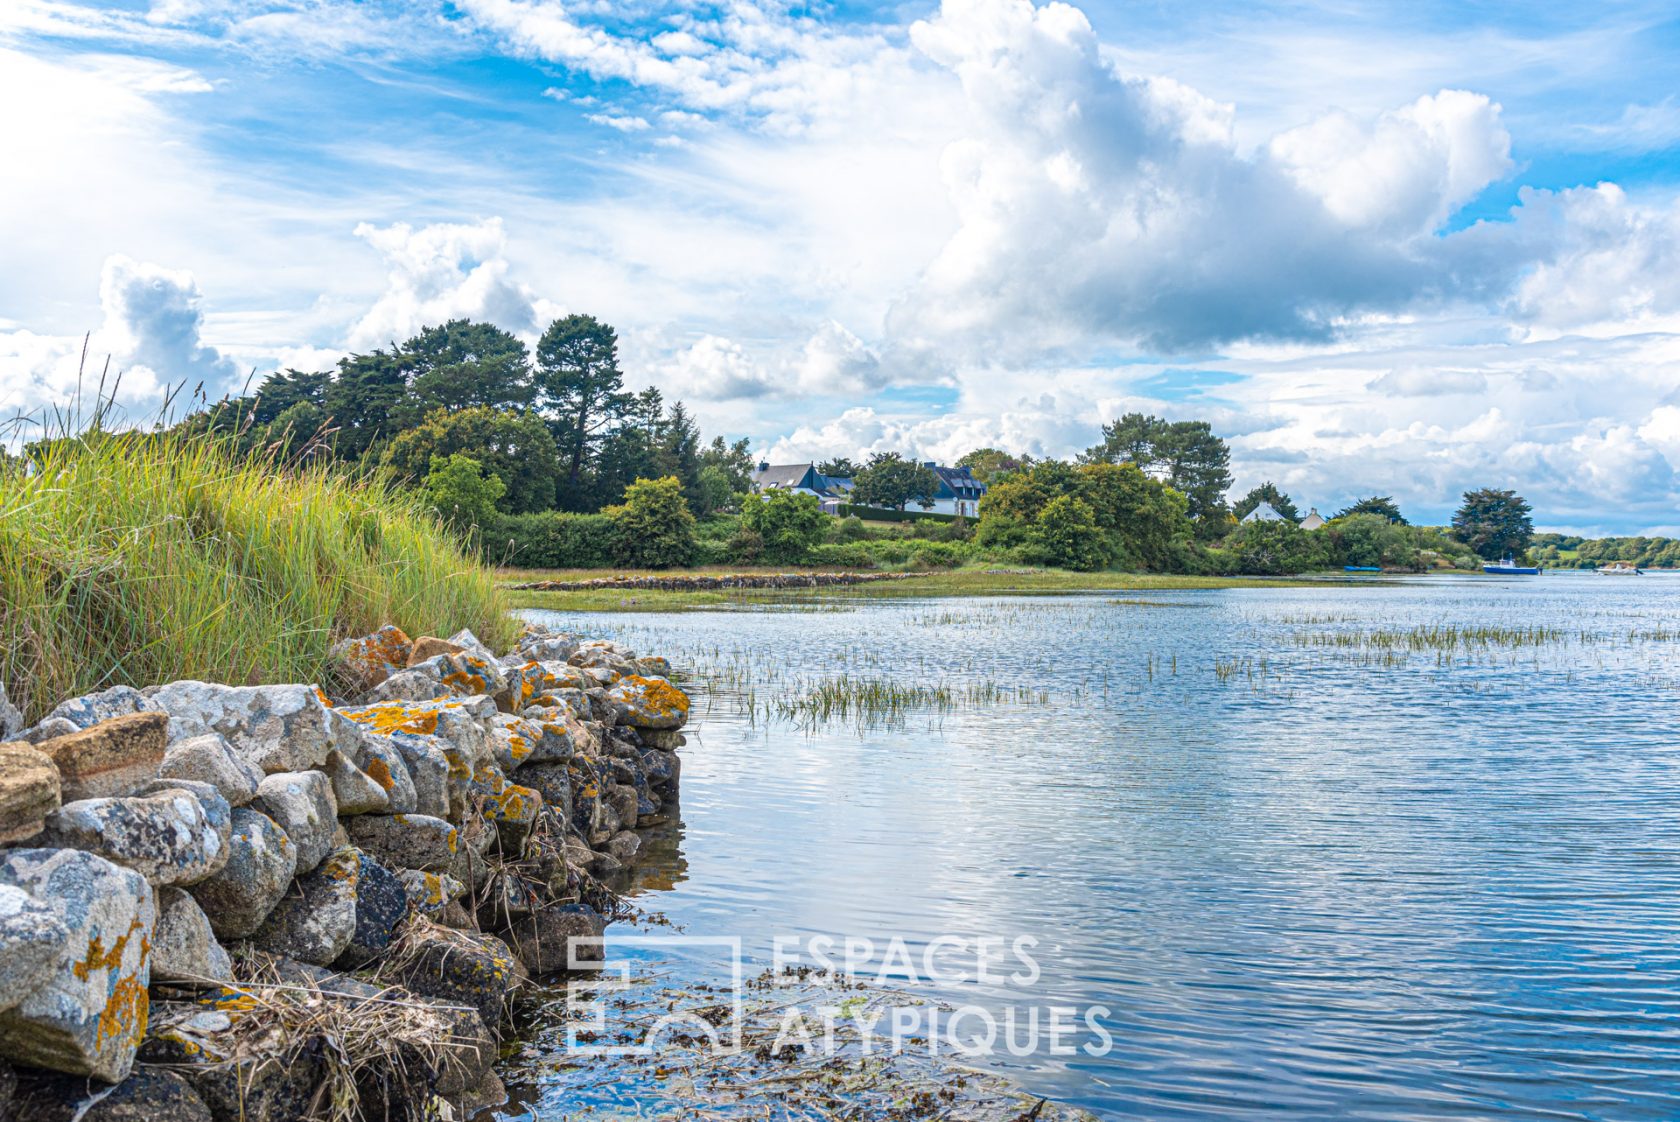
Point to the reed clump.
(135, 558)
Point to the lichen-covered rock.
(553, 782)
(28, 791)
(261, 862)
(427, 764)
(110, 758)
(49, 729)
(653, 666)
(11, 717)
(208, 759)
(32, 941)
(316, 918)
(430, 893)
(470, 644)
(624, 802)
(184, 949)
(95, 708)
(278, 728)
(88, 1017)
(406, 841)
(367, 660)
(378, 758)
(559, 937)
(461, 675)
(302, 803)
(649, 703)
(470, 969)
(170, 836)
(381, 906)
(624, 846)
(354, 791)
(547, 647)
(462, 721)
(147, 1095)
(266, 1081)
(514, 740)
(666, 740)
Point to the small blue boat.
(1361, 568)
(1508, 567)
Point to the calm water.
(1309, 874)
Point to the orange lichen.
(395, 716)
(379, 772)
(125, 1013)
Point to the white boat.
(1619, 569)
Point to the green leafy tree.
(788, 524)
(839, 468)
(1186, 455)
(1275, 549)
(1067, 531)
(986, 463)
(515, 447)
(1267, 492)
(653, 528)
(1494, 523)
(462, 364)
(1142, 517)
(463, 495)
(1383, 506)
(581, 388)
(890, 480)
(369, 403)
(714, 491)
(735, 461)
(1371, 539)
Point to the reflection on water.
(1308, 872)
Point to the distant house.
(959, 492)
(1264, 512)
(1313, 520)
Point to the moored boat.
(1508, 567)
(1619, 569)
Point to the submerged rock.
(555, 938)
(278, 728)
(89, 1015)
(28, 791)
(261, 862)
(184, 948)
(110, 758)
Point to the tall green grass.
(137, 558)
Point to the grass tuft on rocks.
(137, 558)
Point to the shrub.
(461, 493)
(653, 528)
(1067, 529)
(788, 523)
(550, 539)
(842, 555)
(135, 559)
(746, 547)
(1276, 548)
(849, 529)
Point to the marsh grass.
(136, 558)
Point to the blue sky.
(1385, 248)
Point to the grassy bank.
(137, 559)
(945, 582)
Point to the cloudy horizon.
(1383, 248)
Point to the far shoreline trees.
(1494, 523)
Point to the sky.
(1402, 248)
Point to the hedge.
(887, 514)
(550, 539)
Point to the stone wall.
(711, 583)
(199, 881)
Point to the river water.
(1302, 852)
